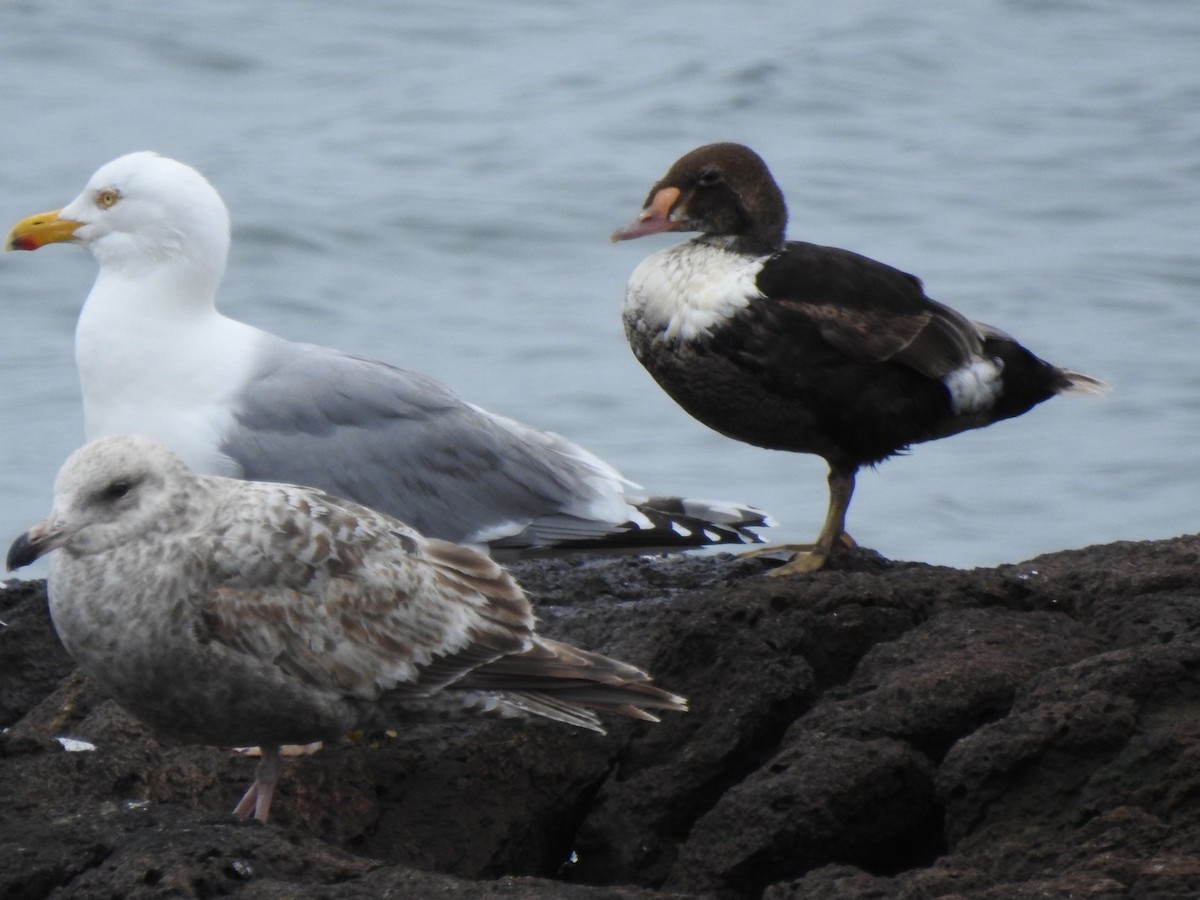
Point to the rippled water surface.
(434, 185)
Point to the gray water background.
(434, 185)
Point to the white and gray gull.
(793, 346)
(236, 612)
(156, 357)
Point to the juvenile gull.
(155, 357)
(794, 346)
(232, 612)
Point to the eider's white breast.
(685, 292)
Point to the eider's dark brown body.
(794, 346)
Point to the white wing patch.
(975, 387)
(684, 292)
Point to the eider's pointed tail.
(1083, 385)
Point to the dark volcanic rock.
(877, 730)
(31, 659)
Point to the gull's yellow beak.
(40, 230)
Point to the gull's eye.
(116, 490)
(107, 197)
(709, 177)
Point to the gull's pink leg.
(257, 799)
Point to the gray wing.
(404, 444)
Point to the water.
(434, 185)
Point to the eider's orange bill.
(655, 218)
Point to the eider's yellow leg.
(833, 532)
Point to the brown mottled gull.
(233, 612)
(155, 357)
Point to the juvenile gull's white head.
(117, 490)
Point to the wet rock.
(877, 730)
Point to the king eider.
(794, 346)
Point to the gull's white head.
(111, 491)
(137, 212)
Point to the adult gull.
(238, 612)
(156, 357)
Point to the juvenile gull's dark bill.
(155, 357)
(231, 612)
(793, 346)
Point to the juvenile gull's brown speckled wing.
(348, 601)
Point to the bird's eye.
(116, 490)
(107, 197)
(709, 177)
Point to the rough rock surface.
(883, 730)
